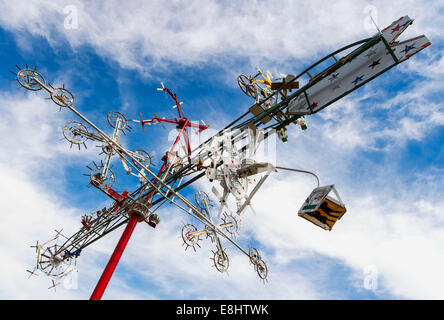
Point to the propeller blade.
(252, 209)
(220, 210)
(216, 193)
(175, 106)
(141, 121)
(163, 87)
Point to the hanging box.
(321, 209)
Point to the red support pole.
(114, 260)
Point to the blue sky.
(381, 146)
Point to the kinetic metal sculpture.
(226, 158)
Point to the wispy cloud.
(141, 35)
(392, 225)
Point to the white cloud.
(33, 172)
(396, 228)
(143, 36)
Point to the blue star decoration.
(406, 23)
(333, 76)
(408, 48)
(357, 79)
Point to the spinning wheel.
(73, 132)
(112, 118)
(261, 269)
(62, 97)
(221, 261)
(246, 85)
(143, 157)
(188, 237)
(52, 264)
(98, 178)
(231, 223)
(202, 200)
(26, 78)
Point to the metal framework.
(225, 157)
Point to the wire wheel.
(97, 177)
(74, 133)
(52, 264)
(143, 157)
(210, 234)
(221, 261)
(107, 149)
(254, 256)
(246, 85)
(62, 97)
(231, 223)
(26, 78)
(261, 269)
(188, 237)
(112, 118)
(202, 200)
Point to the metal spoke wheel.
(231, 223)
(112, 118)
(261, 269)
(246, 85)
(52, 264)
(188, 237)
(143, 157)
(97, 177)
(210, 233)
(254, 256)
(26, 78)
(62, 97)
(202, 200)
(74, 133)
(107, 149)
(221, 261)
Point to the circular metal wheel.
(254, 256)
(187, 235)
(112, 118)
(202, 200)
(108, 149)
(221, 261)
(233, 223)
(62, 97)
(143, 157)
(246, 85)
(210, 233)
(98, 179)
(52, 264)
(73, 132)
(26, 78)
(261, 269)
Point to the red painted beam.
(114, 260)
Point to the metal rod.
(114, 260)
(303, 171)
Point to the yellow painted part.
(124, 163)
(199, 233)
(330, 216)
(267, 81)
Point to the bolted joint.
(140, 207)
